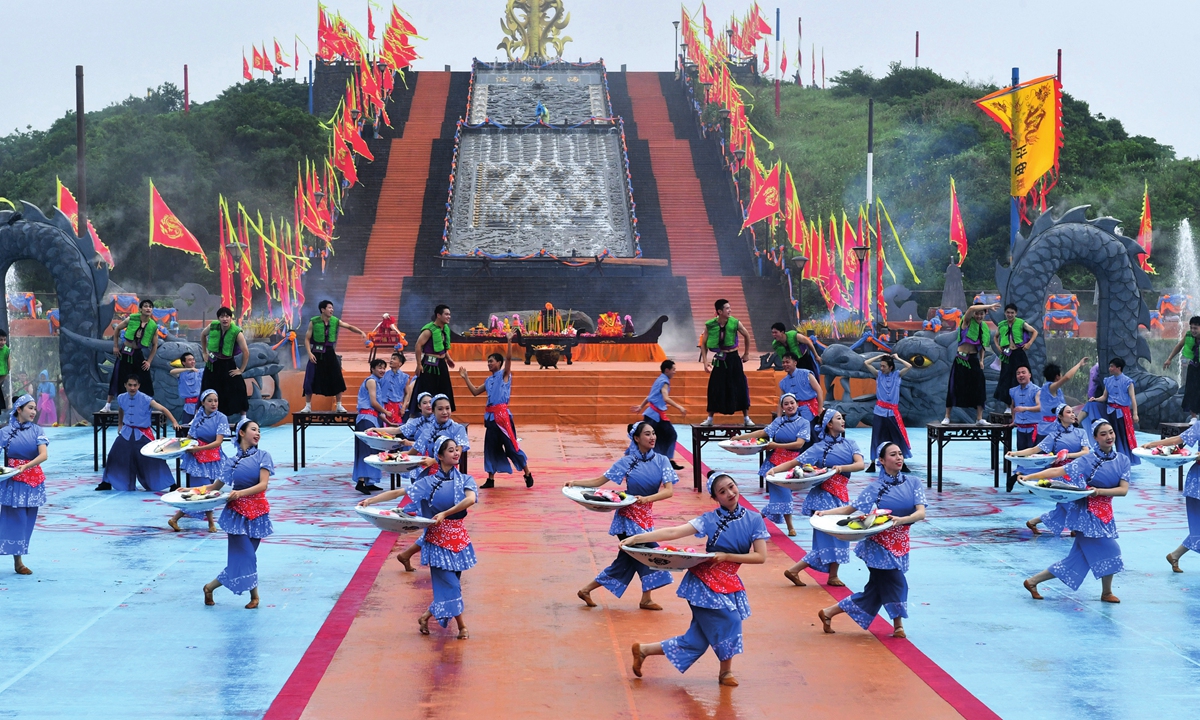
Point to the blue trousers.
(241, 567)
(617, 576)
(127, 466)
(363, 471)
(885, 589)
(16, 527)
(499, 453)
(447, 594)
(1100, 555)
(1192, 541)
(719, 629)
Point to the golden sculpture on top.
(532, 37)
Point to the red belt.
(250, 506)
(640, 513)
(813, 405)
(1101, 507)
(394, 411)
(145, 431)
(1048, 418)
(720, 577)
(662, 412)
(191, 400)
(32, 477)
(836, 486)
(1030, 428)
(450, 534)
(779, 456)
(894, 540)
(1127, 416)
(899, 421)
(503, 420)
(368, 411)
(207, 456)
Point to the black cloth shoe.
(104, 486)
(529, 480)
(676, 465)
(490, 483)
(373, 488)
(362, 488)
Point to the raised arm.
(905, 365)
(474, 389)
(869, 364)
(351, 328)
(507, 375)
(1059, 383)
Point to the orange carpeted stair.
(690, 236)
(398, 218)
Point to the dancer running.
(207, 460)
(655, 407)
(397, 387)
(967, 388)
(1121, 397)
(25, 446)
(247, 514)
(1188, 350)
(797, 343)
(649, 476)
(1066, 437)
(886, 554)
(728, 391)
(1013, 335)
(323, 375)
(1106, 472)
(127, 466)
(500, 444)
(832, 450)
(886, 423)
(787, 433)
(1052, 392)
(714, 592)
(432, 350)
(442, 494)
(1191, 493)
(370, 409)
(190, 378)
(220, 345)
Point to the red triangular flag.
(765, 199)
(166, 230)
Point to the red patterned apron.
(894, 540)
(779, 456)
(503, 420)
(899, 420)
(837, 487)
(250, 507)
(450, 534)
(720, 577)
(1101, 507)
(31, 477)
(207, 456)
(1127, 416)
(640, 513)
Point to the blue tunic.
(189, 387)
(1095, 547)
(126, 464)
(1026, 396)
(1118, 389)
(241, 569)
(137, 412)
(432, 430)
(19, 502)
(658, 403)
(499, 391)
(367, 418)
(436, 492)
(798, 384)
(887, 390)
(413, 428)
(1049, 401)
(392, 387)
(783, 429)
(901, 495)
(642, 475)
(206, 428)
(1072, 439)
(825, 453)
(1191, 491)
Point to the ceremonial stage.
(115, 604)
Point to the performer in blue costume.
(649, 476)
(190, 378)
(207, 460)
(713, 590)
(886, 423)
(25, 446)
(1121, 397)
(832, 451)
(1025, 406)
(810, 396)
(397, 386)
(1068, 441)
(370, 410)
(1051, 395)
(126, 464)
(787, 433)
(442, 494)
(1090, 519)
(1191, 492)
(500, 444)
(655, 406)
(885, 554)
(247, 516)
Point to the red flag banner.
(258, 63)
(958, 233)
(267, 60)
(246, 67)
(99, 245)
(66, 202)
(168, 231)
(370, 24)
(279, 56)
(764, 202)
(1145, 236)
(225, 235)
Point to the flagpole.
(870, 149)
(80, 157)
(778, 58)
(1014, 217)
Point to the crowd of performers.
(418, 412)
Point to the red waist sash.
(640, 513)
(503, 420)
(720, 577)
(813, 405)
(31, 477)
(662, 412)
(368, 411)
(251, 506)
(190, 401)
(894, 540)
(779, 456)
(1029, 428)
(836, 486)
(1127, 416)
(899, 420)
(207, 456)
(450, 534)
(145, 431)
(1101, 507)
(394, 412)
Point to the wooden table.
(102, 421)
(1166, 430)
(997, 435)
(1005, 419)
(301, 421)
(704, 434)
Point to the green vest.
(713, 330)
(791, 345)
(1015, 331)
(318, 328)
(438, 336)
(976, 331)
(1189, 349)
(226, 342)
(131, 331)
(4, 351)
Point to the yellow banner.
(1034, 109)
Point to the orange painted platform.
(536, 652)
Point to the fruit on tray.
(672, 548)
(394, 457)
(1173, 450)
(858, 523)
(604, 496)
(750, 443)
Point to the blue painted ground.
(1069, 655)
(112, 622)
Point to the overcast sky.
(1130, 60)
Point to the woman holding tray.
(648, 476)
(886, 554)
(787, 434)
(832, 451)
(714, 592)
(1106, 471)
(1191, 493)
(207, 460)
(24, 444)
(246, 517)
(443, 495)
(1063, 434)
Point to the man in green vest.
(432, 349)
(1013, 335)
(135, 342)
(728, 391)
(786, 341)
(220, 345)
(1188, 350)
(323, 376)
